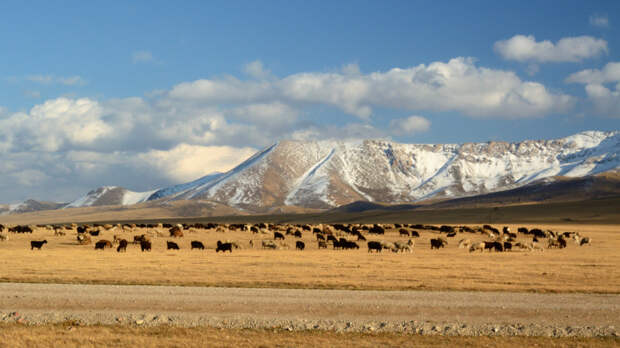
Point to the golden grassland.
(64, 335)
(594, 268)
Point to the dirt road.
(450, 313)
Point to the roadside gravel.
(421, 312)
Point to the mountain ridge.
(328, 173)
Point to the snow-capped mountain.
(325, 174)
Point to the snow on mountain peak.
(324, 174)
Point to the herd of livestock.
(336, 236)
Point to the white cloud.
(569, 49)
(458, 85)
(410, 125)
(599, 21)
(141, 57)
(187, 162)
(605, 100)
(53, 124)
(212, 124)
(256, 70)
(610, 73)
(266, 114)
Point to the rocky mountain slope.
(327, 174)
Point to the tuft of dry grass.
(17, 336)
(594, 269)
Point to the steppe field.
(589, 271)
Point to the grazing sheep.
(278, 235)
(58, 232)
(402, 247)
(415, 234)
(585, 241)
(269, 244)
(451, 234)
(437, 243)
(299, 245)
(122, 245)
(83, 239)
(477, 246)
(102, 244)
(387, 245)
(198, 245)
(297, 234)
(360, 237)
(145, 245)
(176, 232)
(464, 243)
(139, 238)
(332, 239)
(376, 246)
(536, 246)
(223, 247)
(320, 236)
(403, 232)
(172, 245)
(507, 246)
(4, 237)
(37, 244)
(322, 244)
(94, 233)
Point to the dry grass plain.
(18, 336)
(588, 269)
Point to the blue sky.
(152, 93)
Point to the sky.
(147, 94)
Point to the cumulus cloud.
(257, 70)
(605, 100)
(600, 21)
(53, 124)
(187, 162)
(410, 125)
(210, 125)
(569, 49)
(141, 57)
(456, 85)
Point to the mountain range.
(328, 174)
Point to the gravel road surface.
(422, 312)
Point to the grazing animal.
(403, 232)
(223, 247)
(374, 246)
(4, 236)
(172, 245)
(477, 246)
(122, 245)
(299, 245)
(83, 239)
(402, 247)
(176, 232)
(415, 234)
(585, 241)
(37, 244)
(320, 236)
(451, 234)
(332, 239)
(464, 243)
(198, 245)
(278, 235)
(145, 245)
(322, 245)
(507, 246)
(437, 243)
(297, 234)
(376, 229)
(269, 244)
(523, 230)
(138, 239)
(102, 244)
(94, 233)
